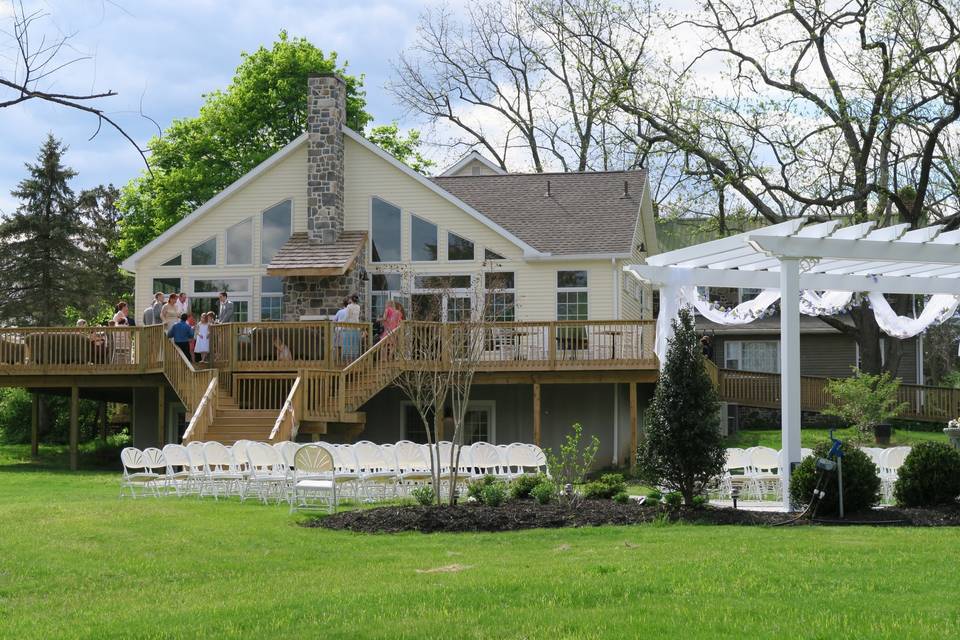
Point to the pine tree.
(683, 448)
(107, 283)
(42, 245)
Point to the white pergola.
(794, 256)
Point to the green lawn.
(77, 562)
(810, 437)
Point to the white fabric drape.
(938, 309)
(828, 303)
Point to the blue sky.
(167, 53)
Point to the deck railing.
(285, 428)
(755, 389)
(253, 346)
(261, 391)
(80, 349)
(203, 416)
(189, 383)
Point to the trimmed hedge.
(861, 484)
(930, 475)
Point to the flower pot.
(882, 432)
(954, 434)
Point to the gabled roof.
(299, 256)
(560, 214)
(473, 156)
(130, 264)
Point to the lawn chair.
(314, 478)
(135, 472)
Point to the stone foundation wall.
(321, 295)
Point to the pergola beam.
(854, 250)
(670, 276)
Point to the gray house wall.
(602, 410)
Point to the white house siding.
(369, 175)
(287, 179)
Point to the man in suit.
(157, 308)
(225, 313)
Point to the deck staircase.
(231, 423)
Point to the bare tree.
(37, 59)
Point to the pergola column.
(789, 370)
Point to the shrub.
(623, 497)
(930, 475)
(673, 499)
(683, 448)
(494, 494)
(424, 495)
(700, 501)
(476, 487)
(15, 408)
(654, 495)
(861, 485)
(865, 400)
(521, 487)
(545, 491)
(572, 462)
(609, 485)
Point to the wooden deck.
(925, 403)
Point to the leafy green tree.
(683, 448)
(42, 245)
(98, 210)
(263, 109)
(865, 400)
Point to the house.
(331, 214)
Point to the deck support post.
(161, 417)
(74, 427)
(536, 414)
(789, 370)
(34, 425)
(634, 426)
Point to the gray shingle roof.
(584, 213)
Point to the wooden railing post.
(552, 344)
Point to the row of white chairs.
(754, 471)
(888, 463)
(363, 470)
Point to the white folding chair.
(412, 464)
(763, 478)
(178, 467)
(377, 472)
(135, 473)
(345, 463)
(154, 462)
(221, 470)
(268, 474)
(890, 462)
(197, 469)
(485, 461)
(314, 477)
(521, 460)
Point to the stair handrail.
(204, 415)
(285, 428)
(382, 359)
(188, 382)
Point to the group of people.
(178, 323)
(169, 309)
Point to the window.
(492, 255)
(166, 285)
(752, 355)
(384, 286)
(501, 296)
(175, 261)
(458, 248)
(413, 427)
(274, 230)
(271, 298)
(633, 287)
(749, 293)
(441, 282)
(572, 297)
(385, 243)
(240, 243)
(478, 423)
(423, 240)
(204, 254)
(233, 285)
(200, 304)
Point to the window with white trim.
(385, 232)
(501, 296)
(423, 240)
(275, 229)
(752, 355)
(384, 287)
(239, 245)
(175, 261)
(572, 295)
(271, 299)
(205, 253)
(459, 248)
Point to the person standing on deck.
(182, 333)
(158, 308)
(168, 313)
(225, 312)
(182, 305)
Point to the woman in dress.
(391, 318)
(202, 346)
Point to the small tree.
(572, 461)
(683, 448)
(865, 400)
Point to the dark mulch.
(516, 515)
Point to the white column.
(789, 368)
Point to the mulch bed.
(516, 515)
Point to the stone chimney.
(326, 115)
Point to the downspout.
(616, 387)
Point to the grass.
(76, 562)
(810, 437)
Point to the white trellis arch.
(794, 256)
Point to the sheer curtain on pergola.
(815, 269)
